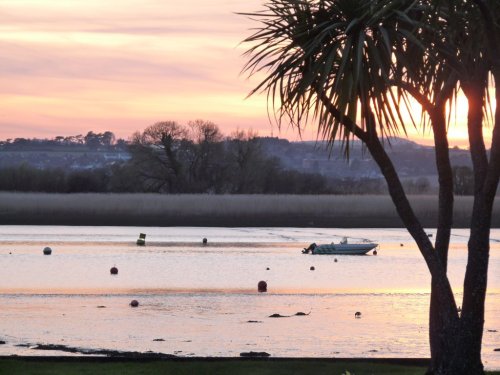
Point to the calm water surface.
(200, 299)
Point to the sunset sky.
(72, 66)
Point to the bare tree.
(155, 153)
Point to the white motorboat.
(341, 248)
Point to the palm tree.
(351, 65)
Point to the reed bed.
(221, 210)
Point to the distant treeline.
(125, 179)
(91, 140)
(168, 157)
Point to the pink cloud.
(132, 62)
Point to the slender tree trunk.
(467, 358)
(476, 276)
(448, 314)
(445, 321)
(403, 207)
(441, 282)
(441, 345)
(468, 354)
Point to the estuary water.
(202, 300)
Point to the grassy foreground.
(190, 367)
(339, 211)
(102, 366)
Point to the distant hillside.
(70, 153)
(411, 159)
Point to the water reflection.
(200, 299)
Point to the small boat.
(341, 248)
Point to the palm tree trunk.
(467, 358)
(440, 344)
(476, 276)
(444, 321)
(405, 211)
(468, 354)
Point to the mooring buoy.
(312, 268)
(113, 270)
(47, 251)
(134, 303)
(205, 241)
(262, 286)
(357, 315)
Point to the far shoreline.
(207, 210)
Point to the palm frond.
(341, 49)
